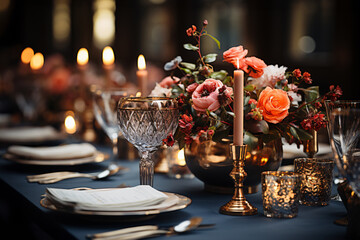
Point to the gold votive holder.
(317, 178)
(280, 193)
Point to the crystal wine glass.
(104, 105)
(30, 100)
(145, 122)
(344, 134)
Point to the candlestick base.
(238, 205)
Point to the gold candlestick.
(238, 205)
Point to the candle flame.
(37, 61)
(181, 158)
(82, 56)
(70, 123)
(263, 161)
(141, 62)
(138, 94)
(108, 56)
(26, 55)
(237, 63)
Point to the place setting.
(141, 200)
(136, 117)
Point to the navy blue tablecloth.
(20, 204)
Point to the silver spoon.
(149, 231)
(58, 176)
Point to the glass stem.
(114, 149)
(146, 167)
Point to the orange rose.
(274, 104)
(235, 56)
(255, 67)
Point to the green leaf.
(227, 81)
(294, 132)
(213, 38)
(188, 71)
(311, 93)
(179, 136)
(264, 126)
(249, 87)
(303, 135)
(210, 58)
(231, 114)
(220, 75)
(257, 126)
(190, 66)
(246, 100)
(190, 47)
(273, 134)
(250, 140)
(212, 114)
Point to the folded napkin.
(142, 197)
(28, 134)
(70, 151)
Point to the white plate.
(97, 157)
(182, 203)
(30, 135)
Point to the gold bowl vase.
(211, 163)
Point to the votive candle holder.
(280, 193)
(317, 178)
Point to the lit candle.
(142, 75)
(82, 62)
(82, 58)
(238, 107)
(70, 123)
(108, 59)
(26, 55)
(37, 62)
(181, 158)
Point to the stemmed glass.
(145, 122)
(30, 100)
(344, 134)
(105, 105)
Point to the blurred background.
(318, 36)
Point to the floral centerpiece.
(277, 103)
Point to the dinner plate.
(31, 136)
(182, 203)
(97, 157)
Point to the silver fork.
(58, 176)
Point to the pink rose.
(192, 87)
(168, 81)
(206, 95)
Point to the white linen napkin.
(70, 151)
(28, 134)
(142, 197)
